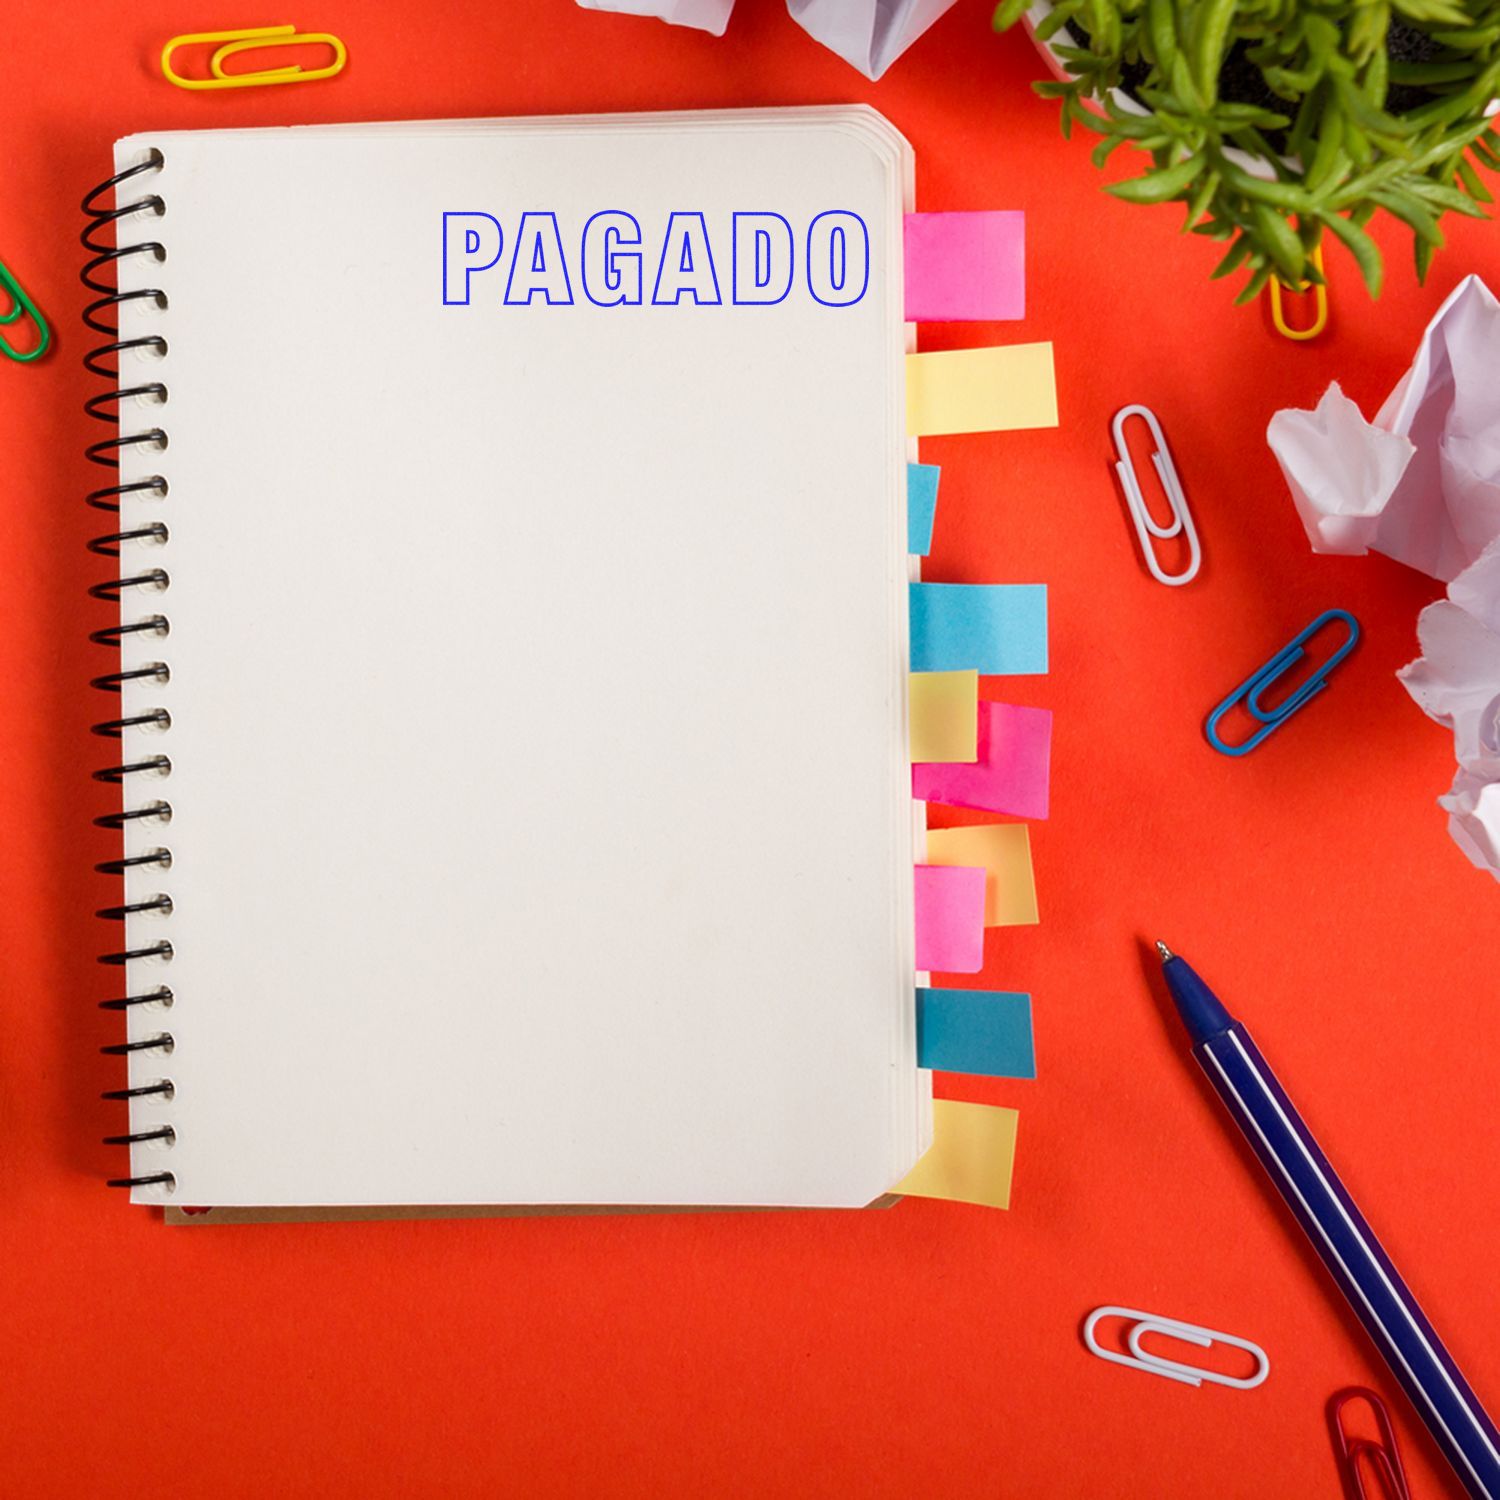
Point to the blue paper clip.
(1253, 688)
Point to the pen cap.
(1201, 1012)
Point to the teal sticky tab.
(994, 628)
(921, 506)
(987, 1032)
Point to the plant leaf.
(1161, 28)
(1422, 253)
(1102, 152)
(1422, 74)
(1317, 114)
(1280, 242)
(1234, 258)
(1431, 11)
(1365, 251)
(1411, 211)
(1158, 186)
(1203, 195)
(1473, 182)
(1470, 39)
(1278, 194)
(1441, 196)
(1252, 115)
(1252, 288)
(1211, 31)
(1289, 84)
(1048, 26)
(1180, 76)
(1330, 161)
(1485, 150)
(1008, 12)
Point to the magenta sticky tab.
(966, 267)
(950, 918)
(1011, 772)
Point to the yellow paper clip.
(1319, 291)
(243, 41)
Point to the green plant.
(1353, 106)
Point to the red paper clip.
(1354, 1455)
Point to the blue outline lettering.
(839, 284)
(539, 266)
(685, 265)
(468, 270)
(759, 285)
(613, 240)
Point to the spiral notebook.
(512, 694)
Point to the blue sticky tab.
(995, 628)
(921, 506)
(987, 1032)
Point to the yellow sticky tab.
(1004, 849)
(944, 716)
(980, 390)
(972, 1157)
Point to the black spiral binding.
(107, 407)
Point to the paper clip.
(21, 303)
(1319, 290)
(1382, 1455)
(242, 41)
(1188, 1333)
(1146, 528)
(1253, 688)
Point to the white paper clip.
(1188, 1333)
(1146, 528)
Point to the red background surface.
(933, 1349)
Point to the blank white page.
(541, 825)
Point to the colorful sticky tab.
(997, 389)
(944, 723)
(921, 506)
(992, 627)
(987, 1032)
(965, 267)
(950, 919)
(972, 1158)
(1004, 850)
(1010, 771)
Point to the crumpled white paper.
(705, 15)
(1473, 808)
(869, 34)
(1341, 470)
(1422, 485)
(1456, 681)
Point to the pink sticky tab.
(950, 918)
(1011, 772)
(965, 267)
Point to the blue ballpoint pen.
(1338, 1231)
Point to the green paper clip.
(23, 304)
